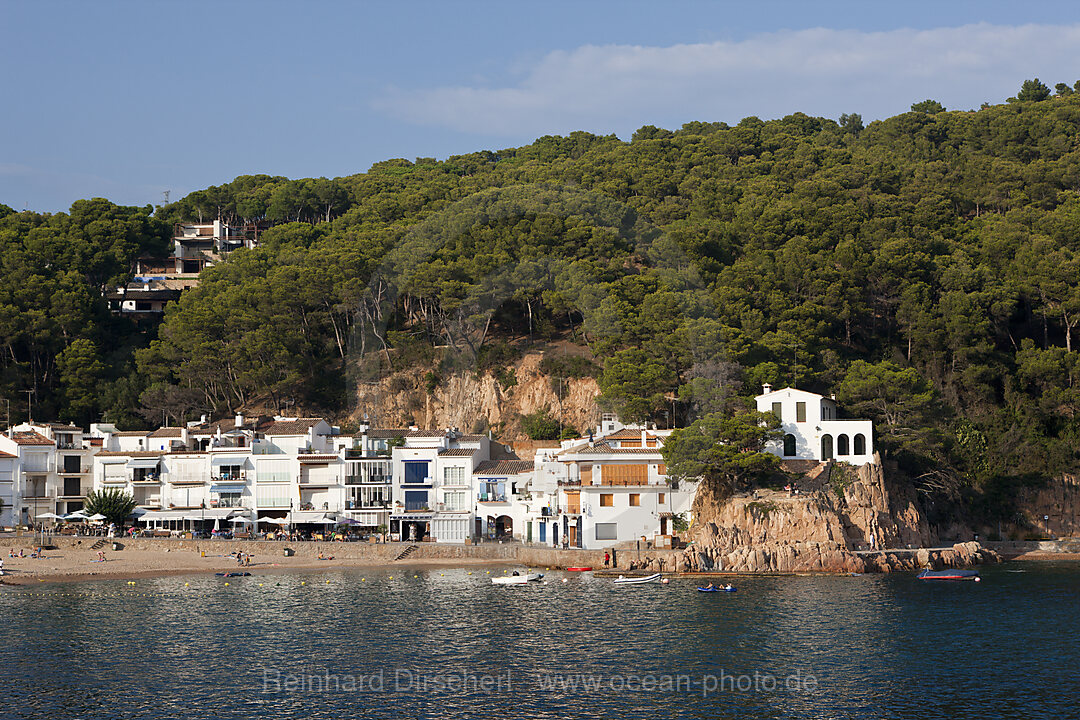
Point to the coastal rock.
(839, 511)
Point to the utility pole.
(29, 407)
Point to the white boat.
(637, 580)
(516, 579)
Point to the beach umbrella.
(96, 516)
(276, 521)
(348, 521)
(50, 516)
(324, 521)
(77, 515)
(238, 519)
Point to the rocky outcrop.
(475, 402)
(844, 519)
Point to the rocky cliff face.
(838, 515)
(475, 403)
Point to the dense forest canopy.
(923, 268)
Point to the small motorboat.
(718, 588)
(949, 575)
(516, 579)
(233, 574)
(579, 569)
(621, 580)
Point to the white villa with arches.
(812, 429)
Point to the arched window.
(789, 445)
(841, 445)
(860, 444)
(826, 447)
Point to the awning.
(307, 516)
(210, 514)
(228, 487)
(237, 459)
(145, 463)
(413, 516)
(155, 515)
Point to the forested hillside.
(923, 268)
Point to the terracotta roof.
(300, 426)
(132, 433)
(458, 452)
(316, 458)
(391, 433)
(169, 432)
(628, 434)
(602, 448)
(7, 455)
(30, 437)
(63, 427)
(471, 438)
(131, 453)
(505, 467)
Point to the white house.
(50, 470)
(813, 429)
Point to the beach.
(67, 564)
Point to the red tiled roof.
(316, 458)
(7, 455)
(458, 452)
(131, 453)
(169, 432)
(504, 467)
(300, 426)
(30, 437)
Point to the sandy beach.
(72, 565)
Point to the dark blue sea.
(445, 643)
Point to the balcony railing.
(359, 505)
(491, 497)
(368, 479)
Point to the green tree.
(1032, 91)
(727, 451)
(928, 107)
(540, 425)
(81, 371)
(114, 503)
(635, 386)
(851, 123)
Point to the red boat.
(582, 569)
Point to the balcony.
(491, 498)
(305, 482)
(367, 479)
(360, 505)
(68, 445)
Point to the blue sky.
(125, 100)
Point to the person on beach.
(607, 559)
(101, 555)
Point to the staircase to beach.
(102, 542)
(405, 553)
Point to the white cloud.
(618, 88)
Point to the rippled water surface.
(821, 647)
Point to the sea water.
(446, 643)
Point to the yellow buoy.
(327, 582)
(226, 584)
(303, 582)
(185, 585)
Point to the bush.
(506, 378)
(568, 366)
(540, 426)
(496, 355)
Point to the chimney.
(766, 389)
(239, 419)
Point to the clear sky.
(126, 100)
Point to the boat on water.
(579, 569)
(233, 574)
(718, 588)
(949, 575)
(516, 579)
(621, 580)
